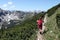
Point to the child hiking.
(39, 24)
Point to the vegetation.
(52, 10)
(53, 32)
(58, 20)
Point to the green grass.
(52, 26)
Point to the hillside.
(52, 10)
(53, 24)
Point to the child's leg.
(43, 28)
(40, 30)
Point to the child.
(39, 23)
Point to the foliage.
(53, 32)
(58, 20)
(52, 10)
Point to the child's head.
(41, 17)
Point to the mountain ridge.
(52, 26)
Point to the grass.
(53, 30)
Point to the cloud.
(13, 6)
(5, 5)
(10, 3)
(5, 8)
(8, 6)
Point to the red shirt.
(39, 22)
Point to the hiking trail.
(39, 36)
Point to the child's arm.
(37, 20)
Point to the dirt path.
(39, 36)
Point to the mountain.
(11, 18)
(53, 23)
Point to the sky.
(28, 5)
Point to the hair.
(41, 17)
